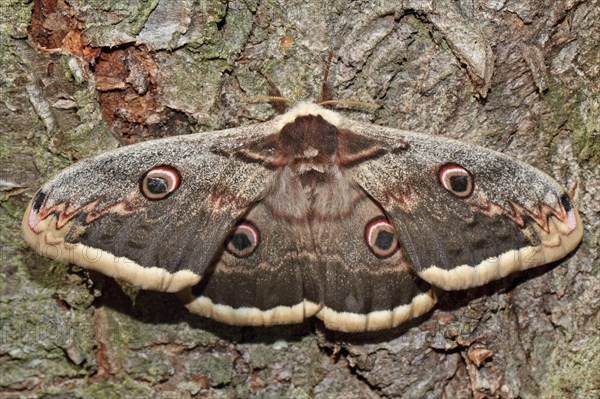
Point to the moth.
(309, 214)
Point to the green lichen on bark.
(226, 32)
(191, 83)
(40, 340)
(66, 332)
(121, 388)
(89, 134)
(103, 17)
(576, 110)
(576, 371)
(14, 18)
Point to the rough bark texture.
(81, 77)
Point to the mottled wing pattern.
(308, 215)
(306, 267)
(466, 215)
(95, 213)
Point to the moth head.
(160, 182)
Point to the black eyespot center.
(381, 238)
(456, 179)
(240, 241)
(157, 185)
(160, 182)
(384, 240)
(459, 183)
(243, 240)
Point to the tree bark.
(79, 78)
